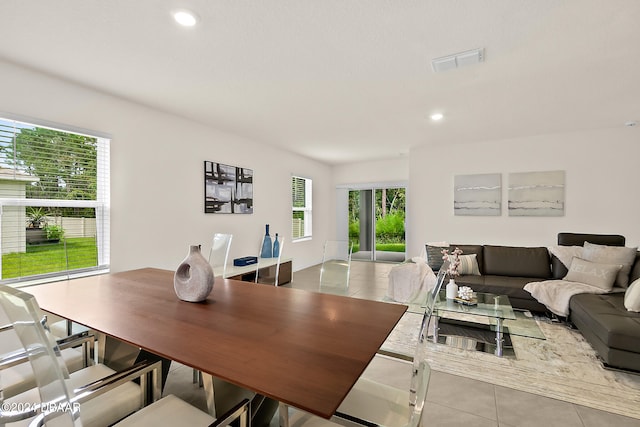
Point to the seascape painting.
(478, 195)
(536, 193)
(227, 189)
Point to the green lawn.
(387, 247)
(48, 258)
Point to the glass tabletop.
(484, 304)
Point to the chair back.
(265, 274)
(336, 264)
(23, 314)
(421, 371)
(219, 253)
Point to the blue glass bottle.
(276, 247)
(267, 247)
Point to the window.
(301, 207)
(54, 202)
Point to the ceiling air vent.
(456, 60)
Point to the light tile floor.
(452, 400)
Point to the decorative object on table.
(276, 247)
(478, 195)
(267, 247)
(536, 193)
(227, 189)
(247, 260)
(193, 279)
(452, 270)
(466, 296)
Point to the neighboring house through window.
(301, 207)
(54, 202)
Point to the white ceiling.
(347, 80)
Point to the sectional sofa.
(612, 330)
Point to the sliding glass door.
(376, 224)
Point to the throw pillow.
(434, 256)
(566, 253)
(592, 273)
(632, 297)
(612, 255)
(468, 265)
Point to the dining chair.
(370, 403)
(219, 253)
(91, 398)
(336, 266)
(269, 274)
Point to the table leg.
(283, 414)
(435, 329)
(207, 384)
(499, 338)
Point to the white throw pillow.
(612, 255)
(592, 273)
(566, 253)
(632, 297)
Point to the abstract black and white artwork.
(478, 195)
(227, 189)
(536, 193)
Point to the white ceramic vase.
(452, 289)
(193, 280)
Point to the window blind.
(301, 195)
(54, 202)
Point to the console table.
(247, 273)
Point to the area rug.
(563, 366)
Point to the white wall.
(157, 175)
(601, 188)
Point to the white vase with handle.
(193, 280)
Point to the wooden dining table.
(300, 348)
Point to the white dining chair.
(95, 396)
(269, 274)
(370, 403)
(219, 253)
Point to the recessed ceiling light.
(185, 18)
(437, 116)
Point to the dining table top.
(301, 348)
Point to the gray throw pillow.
(612, 255)
(434, 257)
(592, 273)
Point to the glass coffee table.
(487, 314)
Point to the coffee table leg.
(499, 337)
(435, 329)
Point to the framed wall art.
(536, 193)
(227, 189)
(477, 195)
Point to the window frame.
(101, 203)
(307, 209)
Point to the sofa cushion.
(578, 239)
(517, 261)
(632, 297)
(607, 319)
(596, 274)
(612, 255)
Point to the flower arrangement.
(454, 261)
